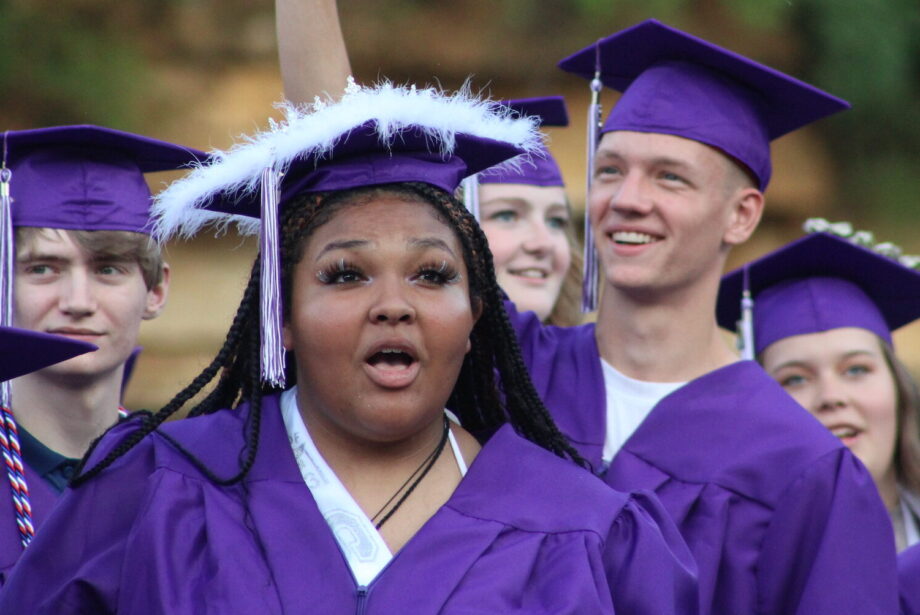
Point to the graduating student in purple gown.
(651, 395)
(822, 311)
(79, 262)
(526, 216)
(354, 491)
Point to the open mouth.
(530, 272)
(391, 358)
(392, 366)
(845, 431)
(632, 238)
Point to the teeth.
(530, 273)
(843, 432)
(632, 237)
(392, 357)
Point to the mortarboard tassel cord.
(471, 195)
(271, 356)
(589, 288)
(9, 434)
(746, 324)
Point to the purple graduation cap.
(23, 351)
(817, 283)
(86, 177)
(373, 136)
(540, 169)
(677, 84)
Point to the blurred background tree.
(201, 71)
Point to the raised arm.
(311, 49)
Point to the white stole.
(362, 545)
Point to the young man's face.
(662, 209)
(62, 288)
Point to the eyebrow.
(854, 353)
(806, 364)
(356, 244)
(788, 364)
(345, 244)
(509, 200)
(664, 161)
(518, 202)
(431, 242)
(654, 161)
(31, 257)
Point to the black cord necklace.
(420, 471)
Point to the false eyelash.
(327, 274)
(448, 273)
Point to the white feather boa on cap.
(315, 129)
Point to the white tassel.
(272, 361)
(746, 324)
(471, 195)
(589, 288)
(7, 260)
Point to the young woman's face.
(526, 228)
(380, 320)
(842, 377)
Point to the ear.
(156, 296)
(287, 337)
(476, 304)
(744, 215)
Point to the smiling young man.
(780, 517)
(84, 267)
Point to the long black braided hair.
(483, 402)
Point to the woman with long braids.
(354, 490)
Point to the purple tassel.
(746, 324)
(589, 288)
(271, 347)
(471, 195)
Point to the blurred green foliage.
(67, 66)
(90, 60)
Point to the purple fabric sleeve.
(829, 545)
(75, 563)
(909, 580)
(565, 367)
(656, 574)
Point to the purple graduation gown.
(909, 580)
(42, 498)
(524, 532)
(779, 515)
